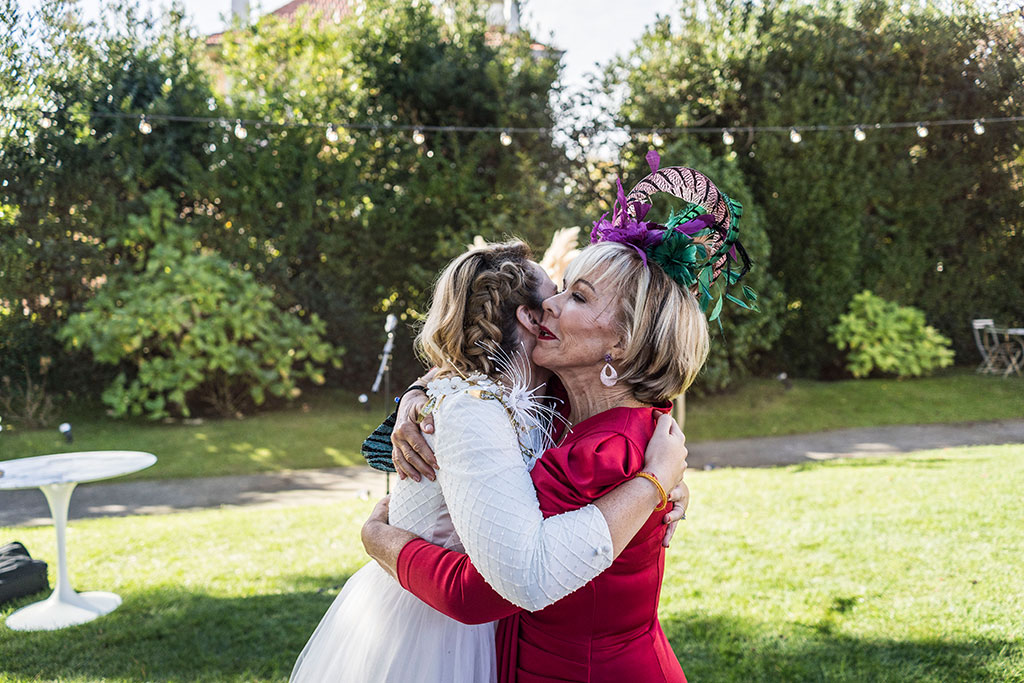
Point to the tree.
(931, 221)
(354, 221)
(74, 160)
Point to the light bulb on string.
(505, 138)
(332, 133)
(859, 135)
(240, 132)
(922, 131)
(657, 140)
(979, 127)
(794, 136)
(727, 137)
(418, 137)
(145, 127)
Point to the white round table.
(57, 476)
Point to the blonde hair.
(664, 330)
(473, 311)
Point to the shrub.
(191, 328)
(885, 337)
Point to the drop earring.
(608, 375)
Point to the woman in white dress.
(489, 427)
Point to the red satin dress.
(608, 631)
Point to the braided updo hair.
(473, 310)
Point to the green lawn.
(327, 429)
(906, 569)
(766, 408)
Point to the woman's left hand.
(680, 496)
(665, 456)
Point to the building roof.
(330, 10)
(334, 10)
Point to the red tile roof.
(330, 10)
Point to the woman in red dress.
(625, 336)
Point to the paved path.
(301, 487)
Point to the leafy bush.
(191, 328)
(885, 337)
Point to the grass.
(906, 569)
(766, 408)
(327, 429)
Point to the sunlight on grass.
(899, 569)
(331, 428)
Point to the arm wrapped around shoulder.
(529, 560)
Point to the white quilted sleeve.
(529, 560)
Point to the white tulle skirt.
(377, 632)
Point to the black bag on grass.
(20, 575)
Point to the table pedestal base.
(59, 611)
(64, 607)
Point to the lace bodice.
(484, 503)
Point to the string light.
(418, 137)
(654, 135)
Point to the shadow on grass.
(725, 649)
(177, 635)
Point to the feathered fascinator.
(694, 246)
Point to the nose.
(553, 304)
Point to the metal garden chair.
(1002, 351)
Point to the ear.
(528, 319)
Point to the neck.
(588, 396)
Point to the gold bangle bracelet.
(661, 489)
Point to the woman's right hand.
(666, 453)
(410, 453)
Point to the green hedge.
(934, 222)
